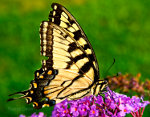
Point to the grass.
(116, 29)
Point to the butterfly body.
(71, 70)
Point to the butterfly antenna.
(110, 68)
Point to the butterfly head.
(99, 87)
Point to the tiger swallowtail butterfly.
(71, 70)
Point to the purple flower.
(99, 100)
(93, 112)
(41, 114)
(83, 109)
(111, 104)
(124, 108)
(74, 110)
(22, 115)
(34, 115)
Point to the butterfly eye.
(52, 102)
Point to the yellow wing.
(75, 70)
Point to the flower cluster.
(111, 104)
(41, 114)
(127, 83)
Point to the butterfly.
(71, 70)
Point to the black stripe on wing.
(68, 48)
(61, 17)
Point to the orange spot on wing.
(31, 92)
(41, 77)
(46, 92)
(36, 104)
(35, 85)
(49, 72)
(44, 105)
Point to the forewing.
(61, 17)
(62, 51)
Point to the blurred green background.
(117, 29)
